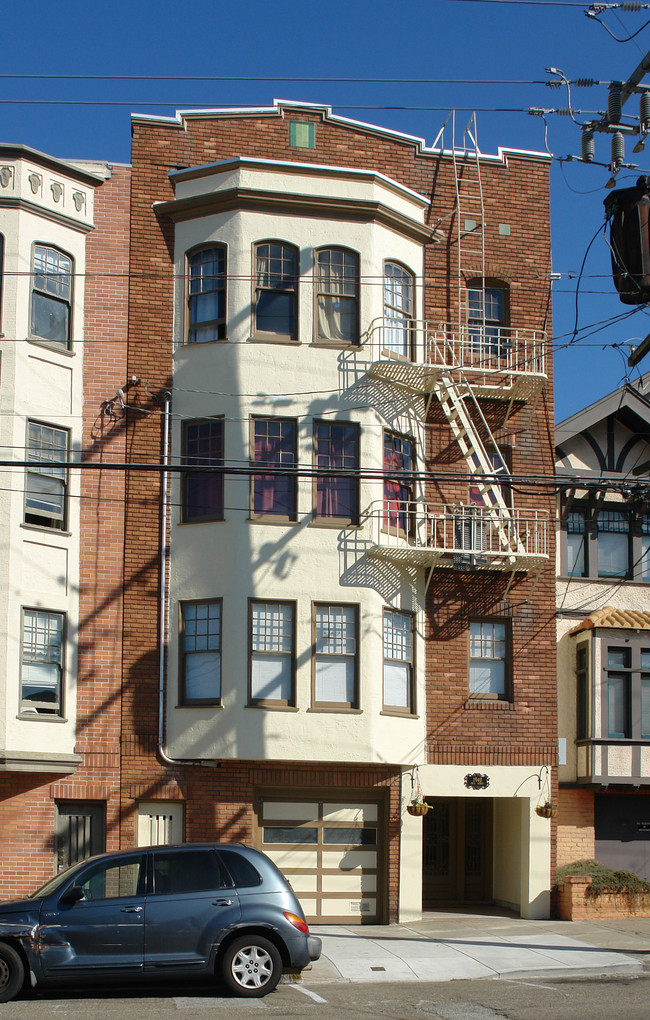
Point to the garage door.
(329, 853)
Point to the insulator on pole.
(644, 111)
(618, 149)
(587, 145)
(614, 104)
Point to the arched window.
(276, 290)
(337, 298)
(50, 318)
(206, 295)
(398, 309)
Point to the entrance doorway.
(457, 851)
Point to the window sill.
(339, 709)
(333, 522)
(43, 527)
(269, 706)
(40, 717)
(199, 704)
(204, 520)
(287, 340)
(58, 349)
(490, 704)
(272, 519)
(337, 345)
(394, 713)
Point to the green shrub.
(605, 879)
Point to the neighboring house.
(63, 263)
(335, 595)
(603, 606)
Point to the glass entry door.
(457, 851)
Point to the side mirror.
(73, 895)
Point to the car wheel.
(251, 966)
(12, 973)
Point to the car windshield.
(57, 881)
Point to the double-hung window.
(207, 295)
(337, 295)
(619, 678)
(274, 446)
(202, 493)
(336, 665)
(51, 296)
(398, 309)
(613, 544)
(398, 661)
(488, 659)
(398, 483)
(41, 680)
(46, 476)
(337, 451)
(276, 291)
(487, 320)
(201, 652)
(272, 652)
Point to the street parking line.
(307, 991)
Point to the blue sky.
(445, 40)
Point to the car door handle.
(131, 910)
(223, 903)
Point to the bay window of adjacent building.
(272, 653)
(276, 291)
(274, 446)
(42, 653)
(399, 291)
(46, 477)
(618, 679)
(335, 665)
(202, 489)
(488, 659)
(337, 450)
(398, 482)
(200, 643)
(51, 306)
(206, 295)
(398, 693)
(337, 297)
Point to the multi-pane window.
(51, 296)
(576, 544)
(487, 319)
(487, 658)
(613, 544)
(276, 290)
(336, 656)
(398, 309)
(202, 495)
(46, 475)
(618, 692)
(398, 660)
(337, 295)
(274, 446)
(337, 450)
(201, 652)
(41, 679)
(398, 482)
(272, 652)
(207, 295)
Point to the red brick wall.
(575, 826)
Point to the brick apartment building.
(339, 596)
(63, 284)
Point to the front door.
(457, 851)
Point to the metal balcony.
(459, 537)
(500, 362)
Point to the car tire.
(251, 966)
(12, 972)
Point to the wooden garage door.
(329, 853)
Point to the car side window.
(111, 880)
(242, 871)
(188, 871)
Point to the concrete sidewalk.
(446, 946)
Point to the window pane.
(290, 834)
(350, 836)
(276, 289)
(613, 556)
(207, 295)
(617, 698)
(271, 677)
(275, 313)
(188, 872)
(487, 678)
(398, 309)
(618, 657)
(112, 881)
(335, 680)
(645, 705)
(397, 685)
(575, 547)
